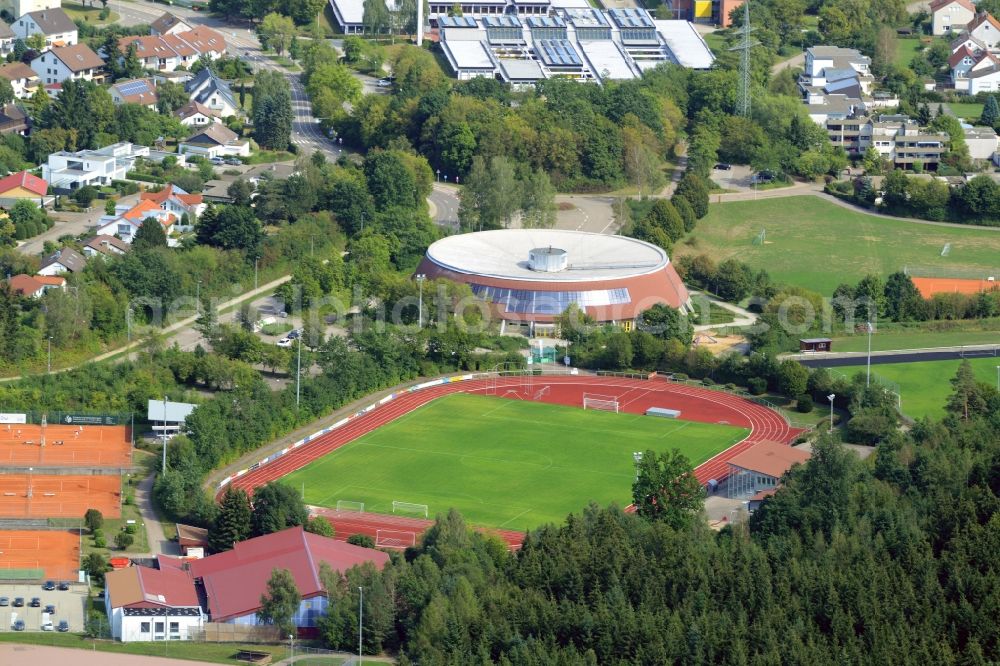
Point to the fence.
(220, 632)
(81, 418)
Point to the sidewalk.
(158, 542)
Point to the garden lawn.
(816, 244)
(925, 387)
(503, 463)
(967, 110)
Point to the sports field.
(816, 244)
(503, 463)
(925, 387)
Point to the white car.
(284, 342)
(384, 83)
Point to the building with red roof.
(146, 604)
(234, 581)
(761, 467)
(33, 286)
(23, 185)
(126, 221)
(175, 200)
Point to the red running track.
(633, 395)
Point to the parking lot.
(69, 606)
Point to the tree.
(666, 489)
(321, 526)
(232, 228)
(150, 234)
(491, 196)
(733, 281)
(664, 215)
(666, 323)
(375, 18)
(539, 205)
(96, 565)
(275, 507)
(272, 110)
(124, 539)
(873, 163)
(6, 92)
(793, 378)
(93, 519)
(966, 398)
(902, 299)
(170, 96)
(233, 521)
(276, 32)
(693, 188)
(241, 191)
(991, 112)
(280, 602)
(686, 212)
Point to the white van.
(47, 622)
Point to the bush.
(708, 381)
(362, 540)
(85, 195)
(757, 385)
(680, 377)
(804, 403)
(100, 541)
(123, 540)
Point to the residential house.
(22, 7)
(22, 79)
(966, 40)
(234, 580)
(176, 201)
(104, 246)
(61, 261)
(147, 604)
(986, 79)
(951, 16)
(196, 114)
(215, 140)
(134, 91)
(67, 171)
(168, 24)
(206, 42)
(126, 221)
(212, 92)
(13, 120)
(152, 51)
(897, 138)
(54, 24)
(167, 52)
(22, 185)
(820, 58)
(7, 39)
(981, 141)
(62, 63)
(985, 29)
(35, 286)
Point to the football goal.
(410, 508)
(541, 393)
(395, 539)
(608, 403)
(347, 505)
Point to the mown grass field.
(916, 339)
(503, 463)
(816, 244)
(925, 386)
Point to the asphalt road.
(884, 358)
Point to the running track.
(634, 396)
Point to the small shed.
(815, 344)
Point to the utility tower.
(746, 44)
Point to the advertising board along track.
(635, 396)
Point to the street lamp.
(361, 605)
(50, 355)
(830, 398)
(868, 375)
(197, 297)
(291, 641)
(439, 175)
(420, 302)
(164, 434)
(128, 322)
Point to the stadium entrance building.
(528, 277)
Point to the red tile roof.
(939, 4)
(167, 192)
(51, 280)
(204, 39)
(959, 55)
(26, 180)
(982, 18)
(137, 211)
(26, 285)
(769, 458)
(144, 587)
(235, 580)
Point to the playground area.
(59, 495)
(64, 445)
(34, 554)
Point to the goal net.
(347, 505)
(410, 508)
(395, 539)
(608, 403)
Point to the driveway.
(73, 224)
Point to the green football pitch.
(925, 386)
(503, 463)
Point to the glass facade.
(526, 301)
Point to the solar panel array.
(557, 53)
(631, 18)
(134, 88)
(545, 22)
(505, 21)
(457, 22)
(586, 18)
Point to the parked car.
(49, 585)
(4, 601)
(19, 625)
(18, 602)
(217, 161)
(384, 83)
(722, 166)
(234, 161)
(284, 342)
(48, 626)
(293, 335)
(50, 608)
(35, 602)
(63, 625)
(63, 586)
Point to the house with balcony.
(68, 63)
(215, 140)
(127, 220)
(897, 138)
(949, 16)
(66, 171)
(22, 79)
(53, 24)
(134, 91)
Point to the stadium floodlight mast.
(998, 377)
(868, 373)
(164, 433)
(420, 302)
(361, 605)
(830, 398)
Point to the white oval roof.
(504, 254)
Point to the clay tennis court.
(57, 552)
(928, 286)
(65, 445)
(59, 496)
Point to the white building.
(951, 16)
(22, 7)
(68, 63)
(168, 24)
(64, 260)
(146, 604)
(55, 24)
(71, 171)
(213, 93)
(126, 221)
(7, 39)
(194, 114)
(134, 91)
(986, 30)
(982, 142)
(167, 52)
(215, 140)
